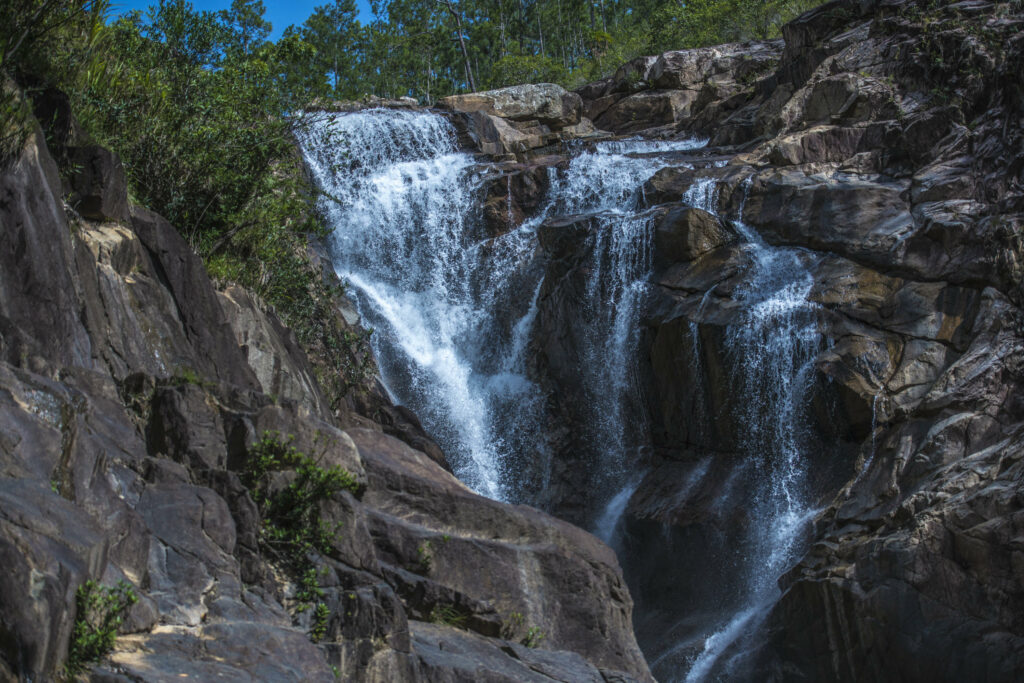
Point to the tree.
(245, 20)
(333, 31)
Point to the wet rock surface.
(132, 393)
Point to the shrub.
(516, 69)
(293, 532)
(99, 614)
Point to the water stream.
(451, 310)
(773, 347)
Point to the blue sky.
(280, 14)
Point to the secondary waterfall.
(773, 347)
(453, 310)
(605, 183)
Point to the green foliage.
(533, 637)
(412, 48)
(15, 118)
(512, 626)
(185, 375)
(99, 613)
(710, 22)
(515, 69)
(293, 531)
(447, 615)
(321, 615)
(425, 556)
(197, 111)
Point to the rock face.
(132, 393)
(520, 118)
(883, 141)
(679, 88)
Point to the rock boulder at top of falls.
(680, 87)
(546, 103)
(685, 233)
(131, 394)
(520, 118)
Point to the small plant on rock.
(99, 614)
(533, 637)
(512, 625)
(425, 555)
(448, 616)
(293, 531)
(321, 615)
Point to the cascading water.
(453, 311)
(406, 240)
(447, 303)
(606, 183)
(773, 347)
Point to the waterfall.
(773, 346)
(450, 309)
(453, 312)
(605, 183)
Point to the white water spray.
(774, 345)
(450, 324)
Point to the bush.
(99, 614)
(516, 69)
(293, 532)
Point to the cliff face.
(876, 149)
(880, 143)
(886, 142)
(133, 398)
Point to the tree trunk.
(462, 42)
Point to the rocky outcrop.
(520, 118)
(132, 396)
(682, 89)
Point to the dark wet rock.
(516, 192)
(685, 233)
(185, 425)
(646, 109)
